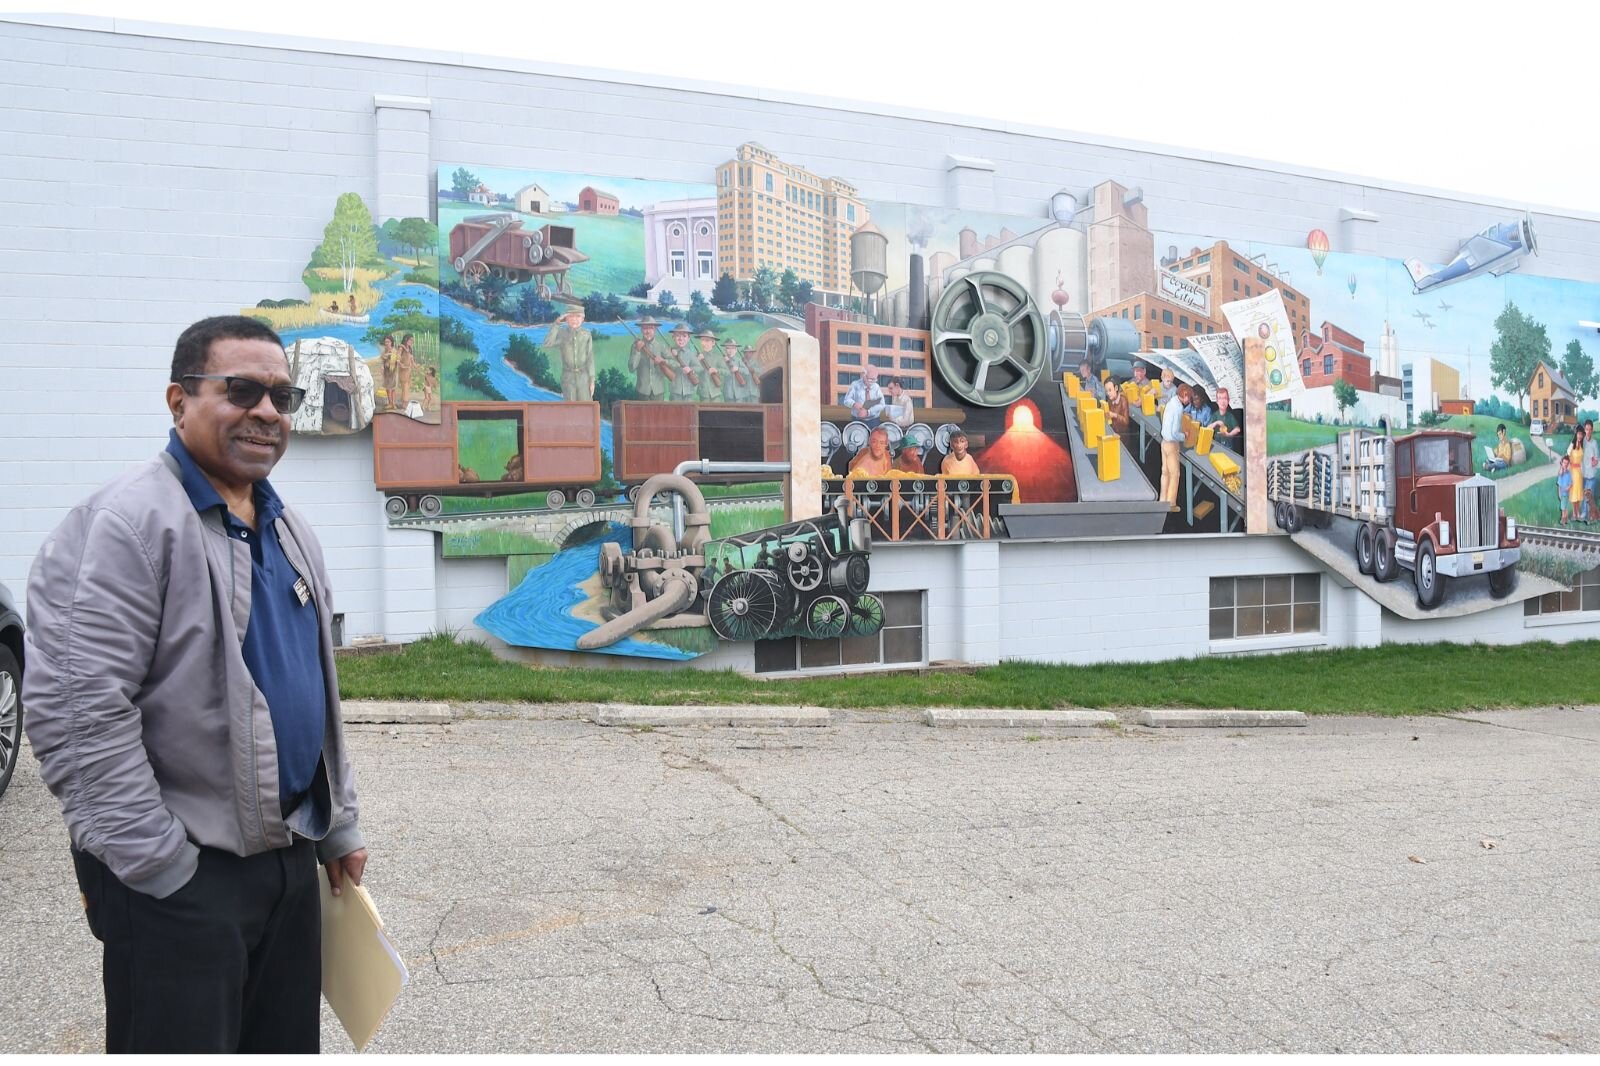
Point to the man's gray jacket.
(141, 711)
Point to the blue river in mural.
(538, 612)
(491, 337)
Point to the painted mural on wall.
(582, 360)
(365, 340)
(988, 375)
(1428, 454)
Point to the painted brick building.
(1336, 356)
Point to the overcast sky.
(1498, 100)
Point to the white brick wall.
(147, 181)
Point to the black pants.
(232, 961)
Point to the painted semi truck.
(1416, 502)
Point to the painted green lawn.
(1390, 680)
(451, 358)
(486, 445)
(613, 243)
(1288, 434)
(473, 542)
(1482, 428)
(1536, 506)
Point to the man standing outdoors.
(184, 710)
(1172, 442)
(686, 386)
(576, 346)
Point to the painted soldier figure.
(576, 346)
(686, 386)
(735, 378)
(754, 371)
(710, 372)
(648, 361)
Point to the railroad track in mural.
(1562, 537)
(619, 510)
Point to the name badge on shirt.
(302, 591)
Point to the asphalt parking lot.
(876, 885)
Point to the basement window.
(1582, 597)
(1265, 606)
(899, 642)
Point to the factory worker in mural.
(1116, 406)
(576, 346)
(1141, 375)
(1172, 442)
(958, 463)
(864, 393)
(910, 461)
(1091, 381)
(1227, 423)
(648, 361)
(1169, 386)
(874, 459)
(686, 385)
(897, 406)
(710, 372)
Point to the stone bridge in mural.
(566, 526)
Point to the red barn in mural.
(593, 201)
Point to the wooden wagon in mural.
(497, 244)
(556, 447)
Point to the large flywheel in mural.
(989, 339)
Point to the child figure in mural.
(648, 361)
(430, 387)
(389, 365)
(710, 372)
(576, 346)
(686, 385)
(1564, 482)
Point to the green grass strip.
(1390, 680)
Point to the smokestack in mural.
(919, 293)
(967, 243)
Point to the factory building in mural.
(813, 401)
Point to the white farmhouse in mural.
(534, 200)
(680, 247)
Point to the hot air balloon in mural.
(1317, 241)
(1351, 285)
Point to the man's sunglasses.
(242, 392)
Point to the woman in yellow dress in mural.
(1575, 457)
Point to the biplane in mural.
(1495, 251)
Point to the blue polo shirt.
(282, 642)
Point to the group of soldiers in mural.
(690, 368)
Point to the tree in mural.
(788, 289)
(699, 316)
(612, 385)
(803, 294)
(405, 316)
(666, 303)
(1578, 368)
(532, 361)
(463, 182)
(349, 240)
(419, 235)
(763, 289)
(492, 290)
(724, 294)
(1519, 344)
(1344, 394)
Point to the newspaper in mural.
(365, 342)
(1264, 317)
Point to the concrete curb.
(1191, 719)
(619, 714)
(1015, 718)
(395, 712)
